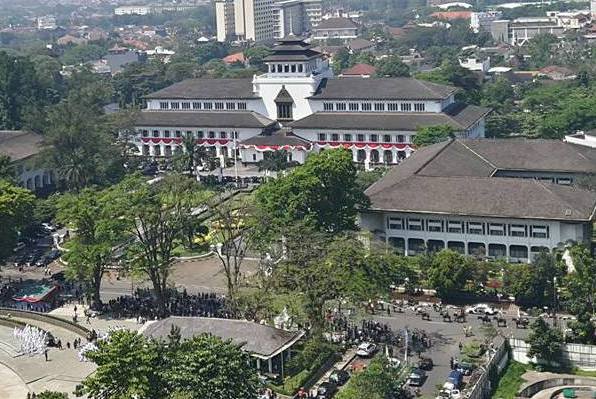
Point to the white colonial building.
(506, 199)
(298, 105)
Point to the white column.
(151, 150)
(354, 154)
(408, 152)
(162, 150)
(367, 159)
(270, 365)
(393, 156)
(381, 155)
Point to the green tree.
(378, 381)
(96, 234)
(392, 66)
(580, 294)
(207, 367)
(256, 55)
(16, 206)
(449, 272)
(6, 169)
(323, 192)
(498, 95)
(546, 342)
(540, 49)
(82, 53)
(155, 216)
(276, 161)
(79, 144)
(433, 134)
(130, 365)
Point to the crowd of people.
(143, 305)
(367, 331)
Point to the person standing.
(45, 353)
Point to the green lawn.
(584, 373)
(511, 381)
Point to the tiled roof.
(235, 119)
(407, 121)
(254, 337)
(383, 88)
(281, 137)
(207, 89)
(18, 144)
(360, 70)
(458, 177)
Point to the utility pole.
(235, 135)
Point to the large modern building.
(265, 20)
(299, 106)
(498, 198)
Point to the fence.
(45, 318)
(490, 378)
(581, 356)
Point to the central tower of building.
(294, 73)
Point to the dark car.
(339, 377)
(417, 378)
(426, 363)
(326, 390)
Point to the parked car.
(339, 377)
(445, 394)
(454, 380)
(366, 349)
(417, 378)
(482, 309)
(326, 390)
(426, 363)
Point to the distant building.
(359, 71)
(234, 58)
(509, 199)
(265, 20)
(47, 22)
(70, 39)
(451, 15)
(22, 148)
(519, 31)
(587, 138)
(475, 64)
(481, 21)
(556, 72)
(133, 10)
(336, 28)
(357, 45)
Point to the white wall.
(582, 356)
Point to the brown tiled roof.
(206, 89)
(18, 144)
(382, 89)
(236, 119)
(458, 177)
(254, 337)
(485, 196)
(279, 137)
(408, 121)
(359, 70)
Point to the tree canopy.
(433, 134)
(130, 365)
(16, 205)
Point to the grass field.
(511, 381)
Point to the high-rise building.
(263, 20)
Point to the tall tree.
(392, 66)
(276, 161)
(97, 231)
(132, 366)
(546, 342)
(16, 207)
(323, 192)
(155, 216)
(449, 272)
(580, 288)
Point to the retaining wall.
(45, 318)
(581, 356)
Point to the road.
(445, 339)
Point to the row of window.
(377, 107)
(197, 135)
(372, 138)
(199, 105)
(459, 227)
(289, 68)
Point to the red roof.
(359, 69)
(236, 57)
(396, 32)
(451, 15)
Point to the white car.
(482, 308)
(366, 349)
(48, 227)
(449, 394)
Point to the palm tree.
(193, 154)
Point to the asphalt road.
(445, 339)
